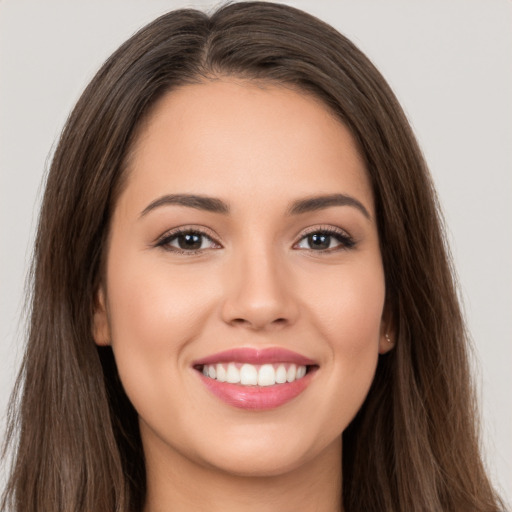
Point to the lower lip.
(257, 397)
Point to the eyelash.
(345, 240)
(167, 238)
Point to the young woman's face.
(244, 246)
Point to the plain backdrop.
(450, 64)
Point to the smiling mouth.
(260, 375)
(256, 379)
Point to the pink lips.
(256, 397)
(256, 356)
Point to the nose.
(259, 292)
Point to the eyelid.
(324, 228)
(163, 239)
(347, 241)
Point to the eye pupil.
(319, 241)
(189, 241)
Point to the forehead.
(231, 137)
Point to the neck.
(174, 482)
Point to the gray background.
(450, 64)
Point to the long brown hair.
(413, 446)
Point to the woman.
(241, 287)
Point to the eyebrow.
(311, 204)
(215, 205)
(210, 204)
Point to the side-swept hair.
(412, 447)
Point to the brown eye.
(325, 241)
(190, 241)
(187, 241)
(319, 241)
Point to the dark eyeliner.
(346, 241)
(164, 240)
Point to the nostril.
(256, 324)
(241, 322)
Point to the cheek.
(348, 315)
(348, 305)
(152, 303)
(154, 312)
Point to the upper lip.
(255, 356)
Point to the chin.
(268, 455)
(259, 465)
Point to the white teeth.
(221, 373)
(233, 374)
(266, 375)
(254, 375)
(281, 374)
(248, 375)
(291, 373)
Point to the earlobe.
(386, 343)
(387, 332)
(100, 327)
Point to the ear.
(100, 328)
(387, 331)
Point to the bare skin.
(263, 274)
(316, 486)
